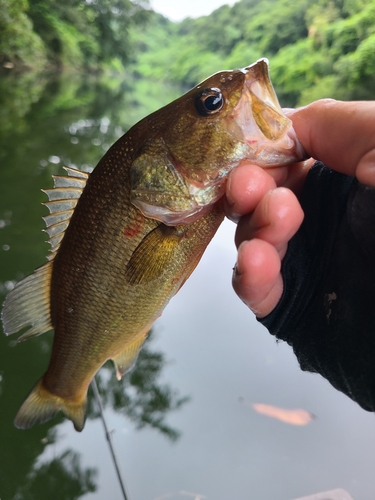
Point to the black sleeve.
(327, 311)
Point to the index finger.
(340, 134)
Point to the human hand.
(341, 135)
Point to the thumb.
(340, 134)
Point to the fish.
(126, 237)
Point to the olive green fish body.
(103, 278)
(126, 237)
(112, 288)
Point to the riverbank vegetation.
(317, 48)
(73, 34)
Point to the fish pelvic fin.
(28, 304)
(41, 405)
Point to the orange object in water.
(289, 416)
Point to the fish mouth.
(260, 123)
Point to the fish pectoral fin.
(152, 255)
(41, 405)
(127, 358)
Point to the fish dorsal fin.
(28, 304)
(63, 198)
(127, 358)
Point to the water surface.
(182, 421)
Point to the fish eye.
(209, 101)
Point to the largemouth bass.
(126, 237)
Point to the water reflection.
(180, 495)
(139, 396)
(61, 478)
(17, 95)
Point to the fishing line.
(108, 436)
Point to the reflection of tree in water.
(138, 395)
(61, 479)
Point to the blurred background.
(214, 409)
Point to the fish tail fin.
(41, 405)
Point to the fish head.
(202, 136)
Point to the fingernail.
(229, 204)
(233, 217)
(236, 271)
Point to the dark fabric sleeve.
(327, 311)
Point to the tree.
(19, 44)
(73, 33)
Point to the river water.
(183, 422)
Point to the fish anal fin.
(40, 406)
(28, 304)
(152, 255)
(127, 358)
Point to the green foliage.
(19, 44)
(295, 68)
(356, 71)
(69, 43)
(74, 33)
(187, 67)
(278, 23)
(317, 48)
(242, 55)
(344, 36)
(213, 33)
